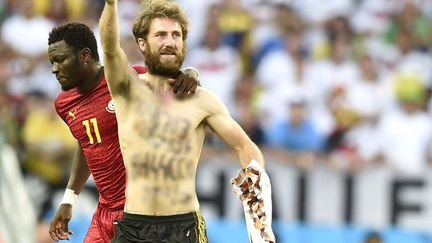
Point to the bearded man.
(161, 137)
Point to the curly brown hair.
(158, 9)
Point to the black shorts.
(180, 228)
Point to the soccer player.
(161, 137)
(86, 106)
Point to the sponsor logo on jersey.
(72, 114)
(111, 106)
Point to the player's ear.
(85, 55)
(142, 44)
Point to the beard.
(168, 68)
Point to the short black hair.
(76, 35)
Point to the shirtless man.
(161, 137)
(85, 105)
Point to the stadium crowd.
(343, 83)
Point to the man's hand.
(59, 224)
(186, 83)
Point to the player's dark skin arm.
(59, 229)
(80, 172)
(185, 83)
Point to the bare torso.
(161, 138)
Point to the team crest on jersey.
(111, 106)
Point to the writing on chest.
(161, 128)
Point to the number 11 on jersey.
(93, 122)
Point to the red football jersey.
(91, 119)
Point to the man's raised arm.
(116, 64)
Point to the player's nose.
(55, 68)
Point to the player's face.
(65, 63)
(164, 50)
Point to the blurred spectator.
(198, 12)
(405, 134)
(266, 35)
(322, 40)
(130, 48)
(49, 147)
(287, 20)
(6, 54)
(90, 13)
(218, 64)
(410, 59)
(373, 16)
(316, 12)
(60, 10)
(246, 109)
(340, 151)
(339, 28)
(31, 74)
(57, 11)
(24, 24)
(295, 139)
(411, 18)
(27, 70)
(236, 24)
(126, 12)
(274, 23)
(329, 80)
(10, 109)
(368, 97)
(281, 74)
